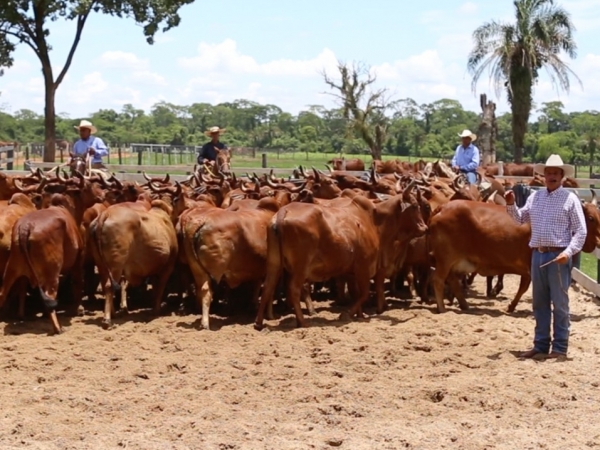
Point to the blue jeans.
(550, 285)
(471, 177)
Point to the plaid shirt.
(556, 219)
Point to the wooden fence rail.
(585, 281)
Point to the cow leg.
(90, 280)
(77, 288)
(488, 286)
(410, 281)
(123, 305)
(471, 278)
(438, 279)
(459, 293)
(295, 286)
(204, 296)
(379, 291)
(523, 286)
(340, 290)
(361, 287)
(109, 305)
(499, 286)
(159, 288)
(307, 299)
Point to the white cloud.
(225, 57)
(122, 60)
(87, 90)
(468, 8)
(147, 77)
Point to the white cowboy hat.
(555, 161)
(86, 124)
(467, 133)
(214, 130)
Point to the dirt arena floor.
(407, 379)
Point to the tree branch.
(23, 38)
(80, 24)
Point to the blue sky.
(271, 52)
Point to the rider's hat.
(86, 124)
(212, 130)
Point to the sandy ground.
(407, 379)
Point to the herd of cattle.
(415, 222)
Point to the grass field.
(288, 160)
(589, 265)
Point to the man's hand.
(563, 258)
(455, 168)
(91, 151)
(509, 196)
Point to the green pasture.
(589, 265)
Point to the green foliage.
(575, 136)
(515, 53)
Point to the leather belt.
(549, 249)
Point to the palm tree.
(515, 53)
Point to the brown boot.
(531, 353)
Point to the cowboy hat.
(467, 133)
(555, 161)
(86, 124)
(214, 130)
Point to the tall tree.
(515, 52)
(362, 106)
(25, 21)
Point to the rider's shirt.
(208, 151)
(467, 159)
(81, 146)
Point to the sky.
(273, 52)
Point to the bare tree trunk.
(49, 121)
(486, 133)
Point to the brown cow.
(314, 242)
(48, 243)
(353, 165)
(133, 241)
(467, 237)
(229, 245)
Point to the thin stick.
(548, 263)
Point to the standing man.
(209, 150)
(466, 157)
(558, 232)
(89, 144)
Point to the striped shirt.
(556, 220)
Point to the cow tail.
(96, 231)
(24, 247)
(196, 241)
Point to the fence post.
(27, 152)
(140, 157)
(264, 161)
(120, 155)
(10, 154)
(500, 168)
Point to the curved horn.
(245, 189)
(40, 187)
(166, 179)
(116, 181)
(594, 198)
(178, 189)
(301, 169)
(19, 187)
(146, 177)
(317, 176)
(299, 188)
(329, 168)
(459, 182)
(408, 189)
(81, 177)
(155, 189)
(272, 184)
(205, 178)
(478, 178)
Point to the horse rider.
(466, 157)
(89, 144)
(209, 150)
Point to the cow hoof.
(77, 312)
(311, 312)
(106, 324)
(204, 326)
(345, 317)
(258, 326)
(123, 312)
(511, 309)
(55, 332)
(464, 307)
